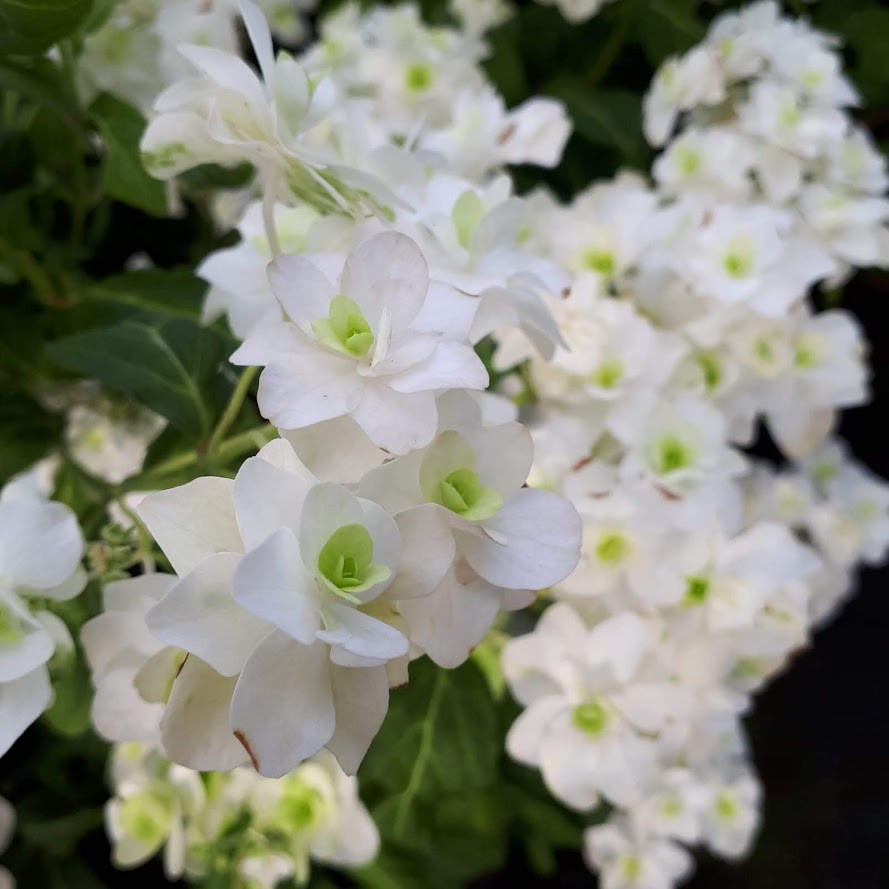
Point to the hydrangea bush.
(417, 428)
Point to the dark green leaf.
(167, 366)
(175, 293)
(123, 175)
(667, 27)
(30, 26)
(439, 737)
(605, 117)
(27, 433)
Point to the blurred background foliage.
(76, 205)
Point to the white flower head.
(375, 345)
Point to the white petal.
(503, 456)
(541, 535)
(272, 583)
(427, 551)
(450, 366)
(21, 702)
(395, 421)
(267, 498)
(302, 290)
(308, 386)
(388, 270)
(260, 37)
(617, 645)
(336, 450)
(282, 710)
(227, 71)
(200, 615)
(120, 714)
(527, 732)
(40, 543)
(193, 521)
(395, 485)
(195, 727)
(360, 633)
(455, 618)
(361, 698)
(33, 648)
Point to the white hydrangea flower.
(627, 859)
(577, 11)
(375, 346)
(226, 114)
(589, 706)
(731, 818)
(40, 551)
(132, 671)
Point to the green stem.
(251, 440)
(613, 47)
(28, 267)
(232, 409)
(145, 539)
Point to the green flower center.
(466, 214)
(10, 628)
(345, 329)
(688, 161)
(671, 807)
(418, 78)
(345, 563)
(726, 807)
(807, 355)
(629, 868)
(696, 590)
(612, 548)
(600, 261)
(672, 454)
(591, 718)
(146, 818)
(300, 806)
(738, 259)
(709, 365)
(462, 492)
(608, 374)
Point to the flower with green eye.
(345, 563)
(345, 329)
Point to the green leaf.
(123, 176)
(605, 117)
(867, 32)
(168, 366)
(31, 26)
(175, 293)
(69, 714)
(439, 737)
(27, 433)
(60, 836)
(667, 27)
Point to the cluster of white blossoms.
(133, 53)
(687, 324)
(654, 327)
(259, 830)
(390, 519)
(40, 551)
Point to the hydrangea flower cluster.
(390, 519)
(687, 325)
(40, 551)
(262, 831)
(393, 509)
(133, 54)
